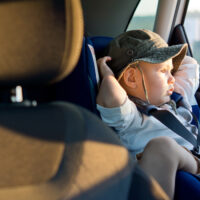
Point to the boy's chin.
(162, 101)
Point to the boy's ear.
(129, 78)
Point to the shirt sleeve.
(187, 79)
(120, 118)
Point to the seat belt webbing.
(169, 120)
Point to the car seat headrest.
(40, 40)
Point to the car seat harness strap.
(169, 120)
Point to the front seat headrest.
(40, 40)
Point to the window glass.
(144, 16)
(192, 27)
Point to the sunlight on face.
(158, 80)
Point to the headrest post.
(16, 94)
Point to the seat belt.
(170, 121)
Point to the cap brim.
(160, 55)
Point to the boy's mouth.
(170, 91)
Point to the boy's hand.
(104, 69)
(111, 94)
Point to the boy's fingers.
(103, 67)
(106, 58)
(103, 60)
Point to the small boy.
(142, 67)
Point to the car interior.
(53, 143)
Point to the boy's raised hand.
(110, 94)
(104, 69)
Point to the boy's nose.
(171, 79)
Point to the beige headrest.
(40, 40)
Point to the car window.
(192, 28)
(144, 16)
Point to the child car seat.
(81, 86)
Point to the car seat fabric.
(75, 158)
(195, 108)
(81, 86)
(32, 42)
(187, 186)
(99, 43)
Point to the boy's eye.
(163, 70)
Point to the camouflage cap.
(142, 45)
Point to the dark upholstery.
(75, 158)
(81, 86)
(38, 40)
(48, 160)
(77, 87)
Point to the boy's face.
(158, 80)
